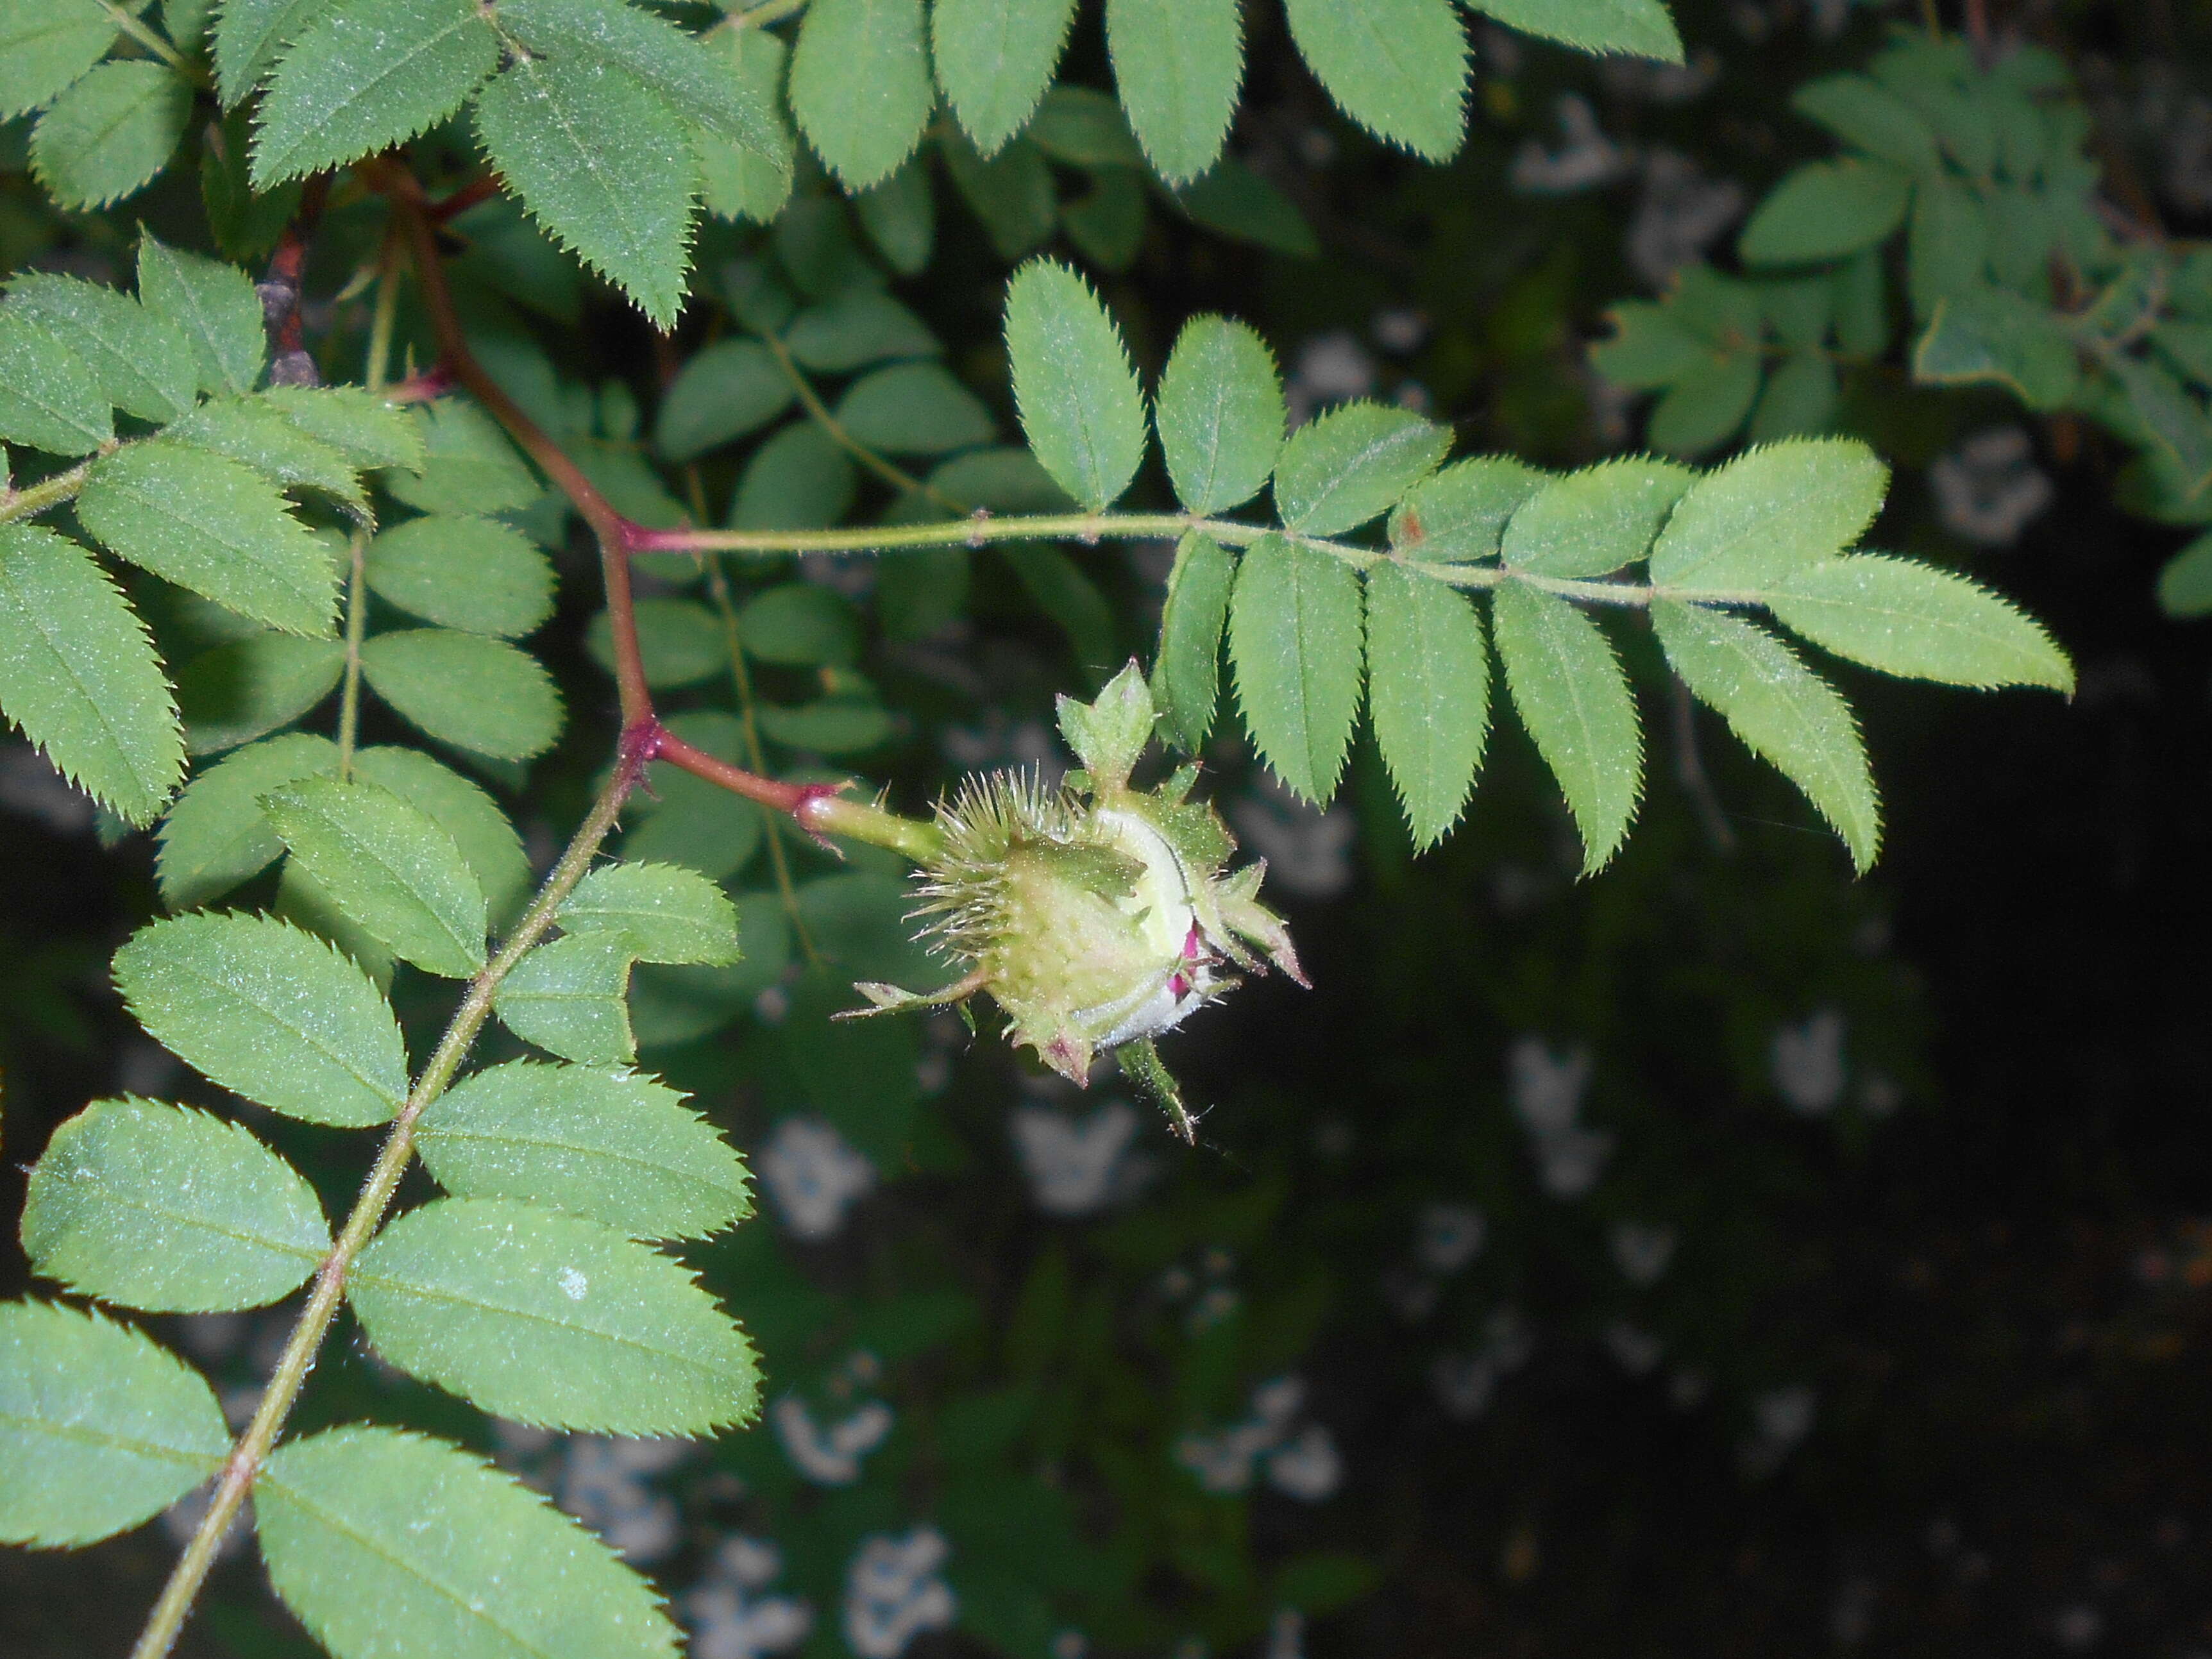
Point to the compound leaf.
(385, 1542)
(1429, 690)
(46, 45)
(615, 1147)
(1770, 511)
(1575, 702)
(1592, 522)
(476, 575)
(1220, 414)
(1783, 711)
(1294, 637)
(1913, 620)
(1177, 65)
(666, 913)
(550, 1319)
(110, 133)
(171, 1210)
(213, 305)
(79, 676)
(1080, 407)
(1352, 464)
(860, 86)
(366, 75)
(1641, 28)
(100, 1427)
(567, 998)
(268, 1013)
(140, 363)
(1187, 678)
(994, 60)
(1397, 67)
(478, 694)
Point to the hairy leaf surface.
(860, 85)
(1642, 29)
(216, 836)
(1459, 516)
(473, 574)
(1080, 407)
(1220, 414)
(1397, 67)
(140, 363)
(46, 45)
(1429, 690)
(666, 913)
(1354, 464)
(994, 60)
(1575, 702)
(1911, 619)
(110, 133)
(1178, 65)
(567, 998)
(1294, 636)
(478, 694)
(213, 305)
(48, 399)
(1768, 512)
(1187, 678)
(1592, 522)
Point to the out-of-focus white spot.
(814, 1174)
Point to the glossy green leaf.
(1294, 638)
(487, 841)
(468, 465)
(1080, 407)
(366, 75)
(1593, 522)
(476, 575)
(567, 997)
(1429, 690)
(212, 525)
(251, 687)
(1397, 67)
(860, 85)
(268, 1013)
(556, 129)
(615, 1147)
(213, 305)
(46, 45)
(1187, 678)
(1353, 463)
(994, 60)
(1575, 702)
(478, 693)
(352, 420)
(110, 133)
(2185, 583)
(251, 432)
(1641, 28)
(799, 625)
(1784, 713)
(1826, 209)
(1012, 192)
(730, 388)
(248, 36)
(546, 1318)
(1913, 620)
(170, 1210)
(1178, 65)
(915, 409)
(1459, 516)
(1220, 414)
(387, 1543)
(389, 867)
(1770, 511)
(101, 1428)
(138, 362)
(666, 913)
(48, 398)
(80, 679)
(216, 836)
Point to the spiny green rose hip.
(1097, 916)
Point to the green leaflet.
(139, 362)
(301, 901)
(1187, 678)
(101, 1428)
(671, 1006)
(1070, 598)
(471, 817)
(1352, 464)
(914, 409)
(843, 724)
(695, 823)
(1012, 192)
(366, 75)
(353, 420)
(1294, 637)
(212, 304)
(110, 133)
(249, 431)
(1913, 620)
(1641, 28)
(1785, 714)
(854, 328)
(2185, 583)
(860, 86)
(1593, 522)
(45, 45)
(1234, 201)
(675, 66)
(248, 36)
(567, 997)
(681, 643)
(994, 60)
(549, 1319)
(1860, 110)
(389, 867)
(170, 1210)
(385, 1543)
(1080, 407)
(614, 1147)
(1770, 511)
(799, 625)
(1826, 209)
(48, 399)
(1084, 128)
(724, 391)
(1397, 67)
(476, 575)
(468, 465)
(1800, 400)
(900, 216)
(1107, 225)
(665, 913)
(478, 694)
(268, 1013)
(80, 679)
(1459, 516)
(1703, 409)
(1576, 704)
(214, 526)
(1429, 693)
(251, 687)
(559, 130)
(215, 836)
(1178, 65)
(1220, 414)
(736, 182)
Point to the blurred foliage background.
(1721, 1255)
